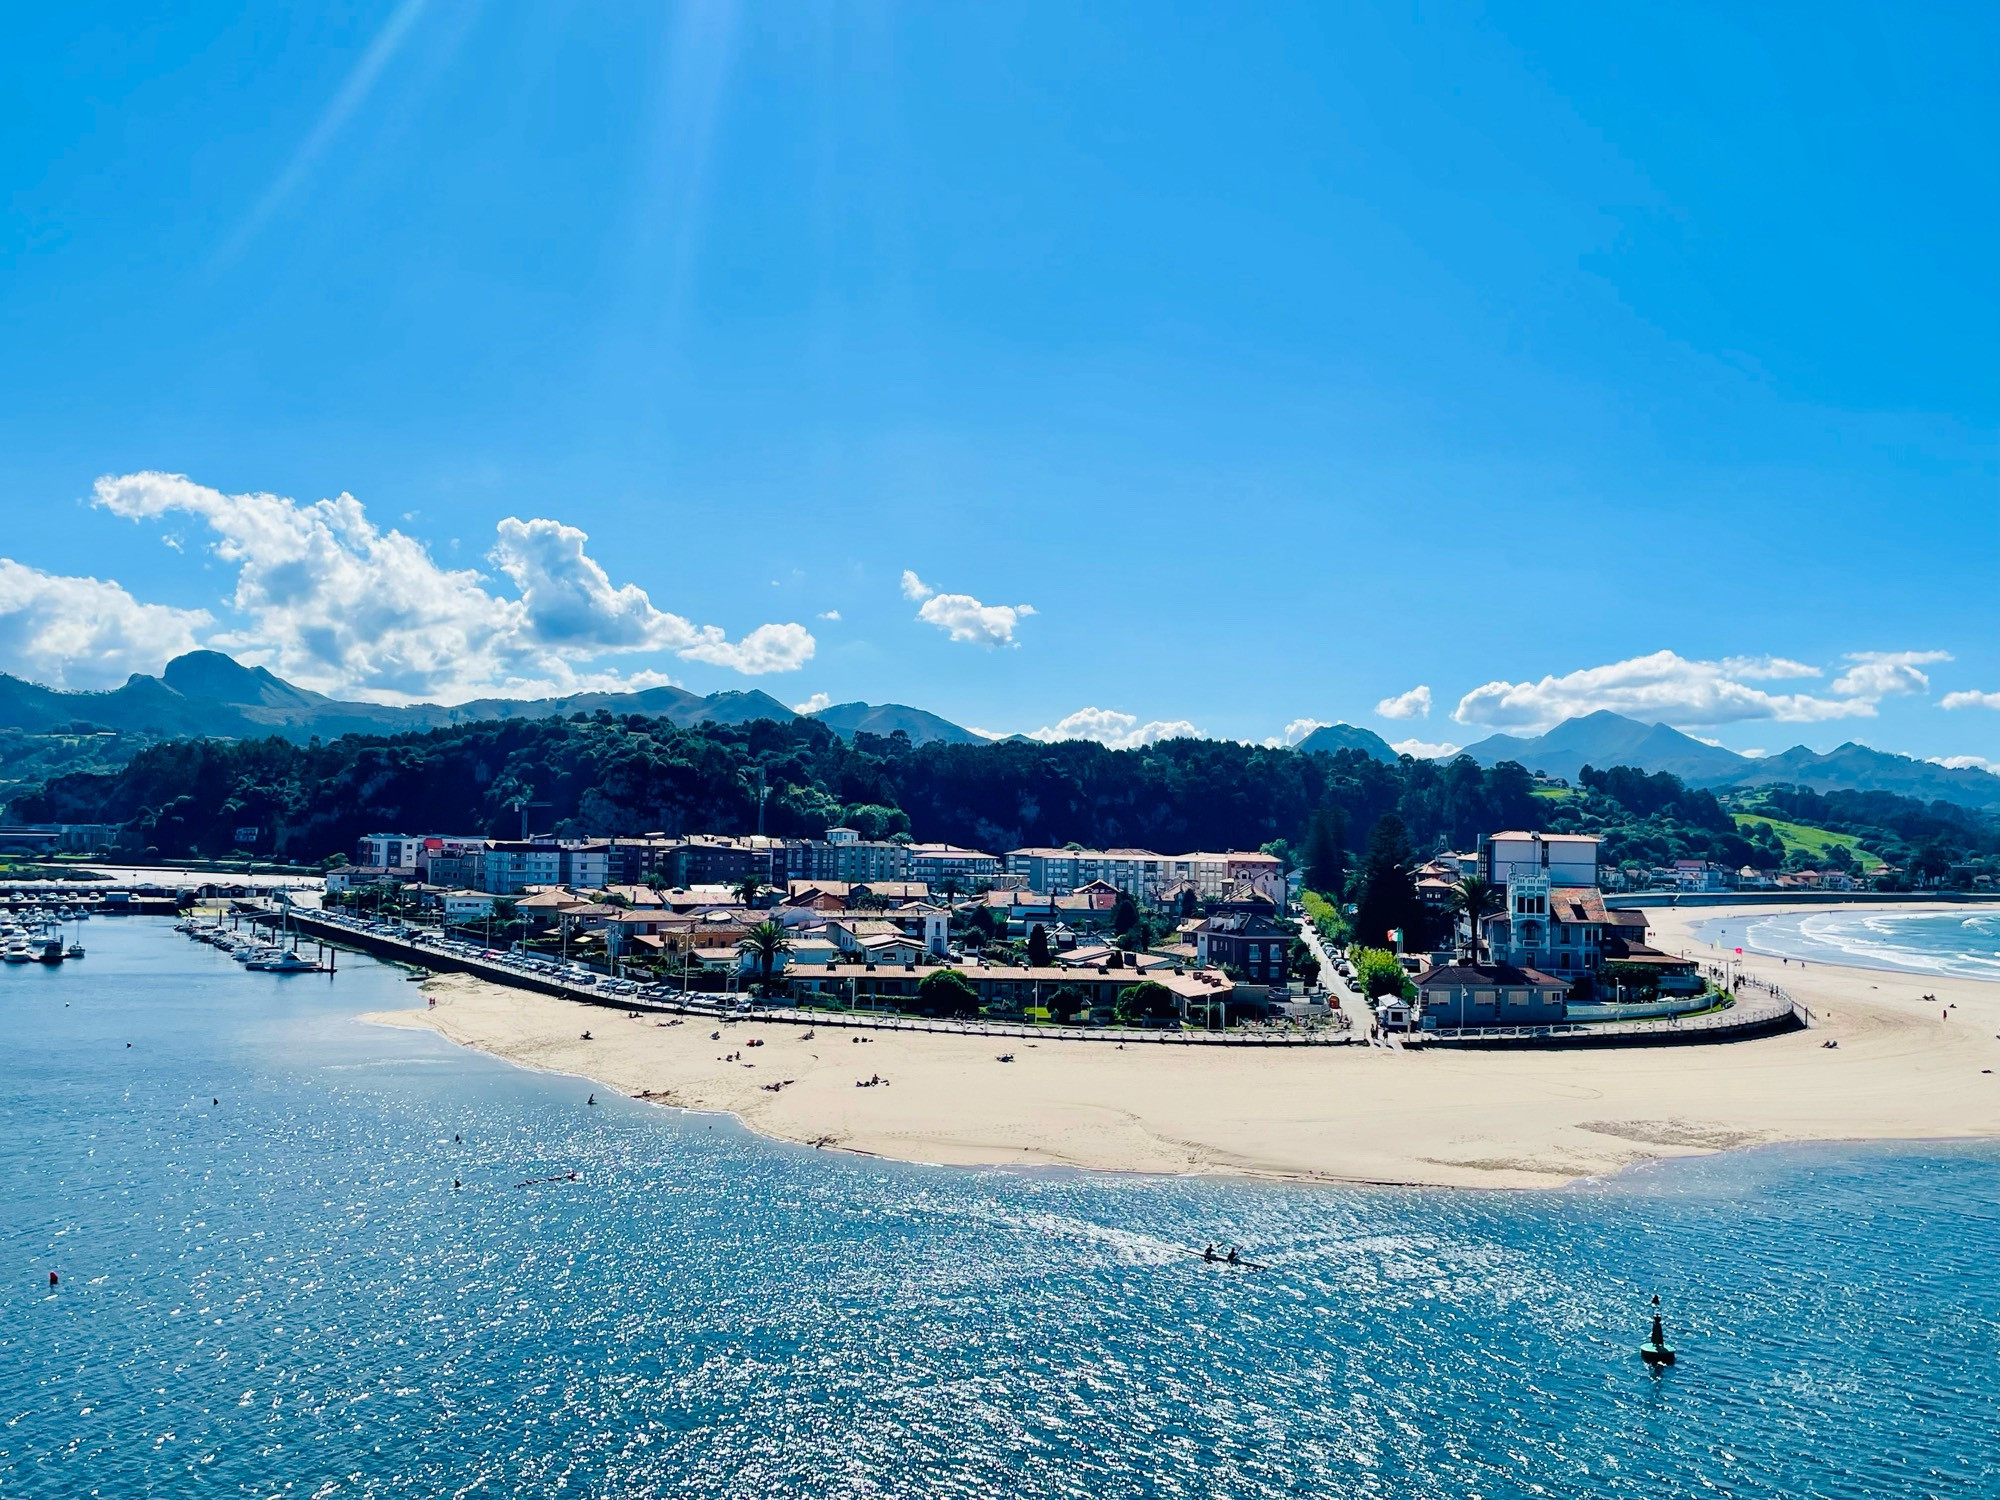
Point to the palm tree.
(766, 942)
(748, 889)
(1474, 896)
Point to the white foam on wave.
(1933, 942)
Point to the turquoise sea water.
(1961, 941)
(282, 1294)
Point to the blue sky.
(1279, 360)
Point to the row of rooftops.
(1188, 983)
(1199, 856)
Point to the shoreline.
(1348, 1116)
(1869, 962)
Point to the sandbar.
(1905, 1069)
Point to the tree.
(747, 890)
(1300, 962)
(874, 821)
(1389, 900)
(767, 943)
(1190, 904)
(1066, 1004)
(947, 992)
(1124, 913)
(1038, 947)
(1326, 858)
(1148, 1000)
(1377, 972)
(1474, 896)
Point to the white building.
(511, 866)
(467, 906)
(389, 851)
(1143, 874)
(938, 863)
(413, 851)
(1563, 859)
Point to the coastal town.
(1514, 937)
(952, 752)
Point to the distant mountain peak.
(1331, 737)
(922, 726)
(223, 679)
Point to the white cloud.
(85, 632)
(1766, 668)
(1670, 688)
(1415, 704)
(813, 704)
(829, 614)
(1106, 726)
(1294, 732)
(768, 648)
(1887, 674)
(963, 617)
(1967, 763)
(1971, 700)
(331, 601)
(1425, 749)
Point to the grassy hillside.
(1814, 841)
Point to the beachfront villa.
(1461, 995)
(1550, 942)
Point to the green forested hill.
(605, 775)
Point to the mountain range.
(209, 693)
(1608, 739)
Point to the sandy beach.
(1345, 1114)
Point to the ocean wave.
(1947, 943)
